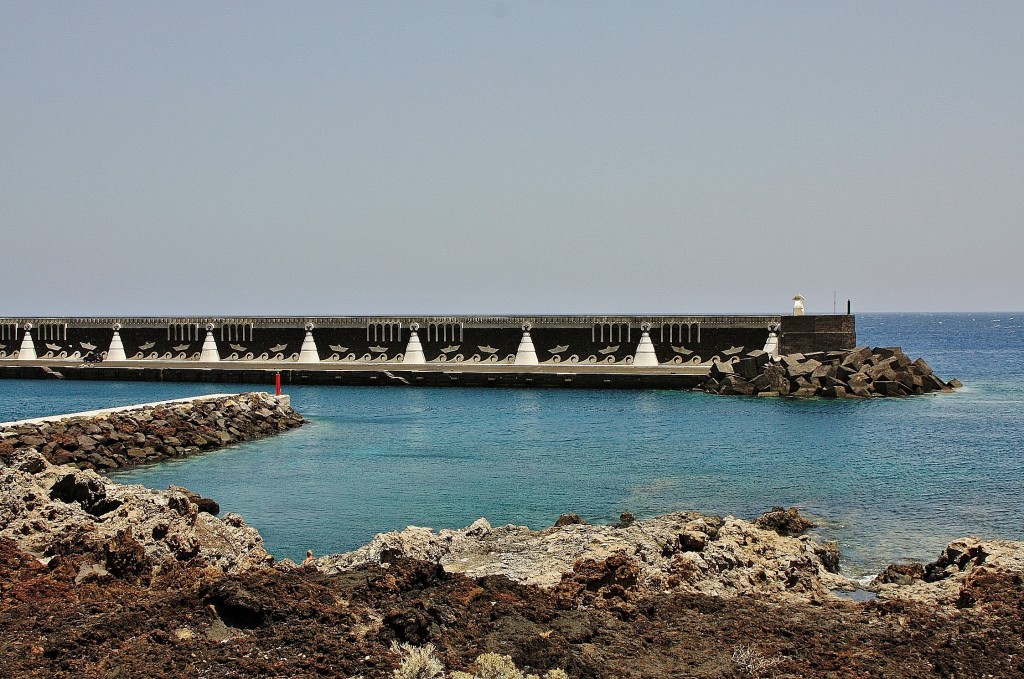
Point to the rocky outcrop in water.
(854, 373)
(153, 433)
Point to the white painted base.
(645, 355)
(414, 350)
(116, 350)
(28, 349)
(308, 352)
(526, 354)
(209, 353)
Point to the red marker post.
(277, 383)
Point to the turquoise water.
(890, 479)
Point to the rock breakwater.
(861, 372)
(152, 433)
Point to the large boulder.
(784, 521)
(721, 370)
(772, 378)
(734, 385)
(746, 368)
(88, 491)
(572, 519)
(804, 368)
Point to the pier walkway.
(572, 375)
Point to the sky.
(336, 158)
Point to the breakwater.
(653, 351)
(861, 372)
(124, 437)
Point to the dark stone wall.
(473, 345)
(74, 344)
(266, 344)
(252, 373)
(709, 343)
(609, 340)
(806, 334)
(152, 343)
(79, 342)
(574, 345)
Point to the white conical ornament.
(308, 352)
(526, 354)
(645, 354)
(28, 348)
(771, 345)
(414, 350)
(209, 354)
(115, 352)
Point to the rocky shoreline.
(102, 579)
(153, 433)
(861, 372)
(110, 580)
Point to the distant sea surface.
(891, 479)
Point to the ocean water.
(891, 479)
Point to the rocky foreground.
(103, 580)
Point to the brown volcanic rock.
(300, 622)
(158, 588)
(784, 521)
(591, 581)
(573, 519)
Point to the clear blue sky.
(510, 157)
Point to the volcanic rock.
(569, 520)
(62, 508)
(784, 521)
(685, 552)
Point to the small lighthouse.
(798, 305)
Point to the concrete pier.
(565, 376)
(657, 351)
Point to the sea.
(892, 480)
